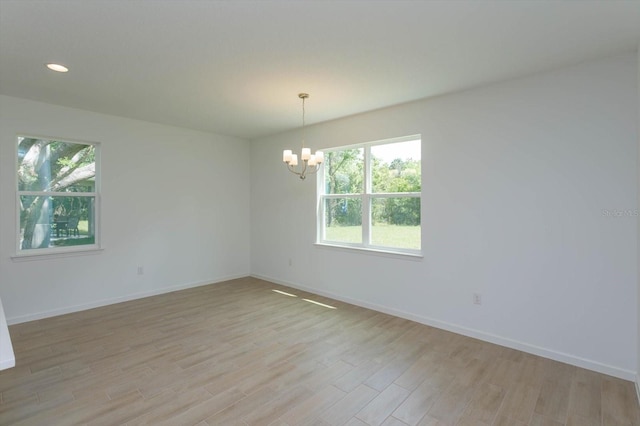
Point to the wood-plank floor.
(238, 353)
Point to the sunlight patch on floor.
(286, 294)
(319, 304)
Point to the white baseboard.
(477, 334)
(637, 382)
(111, 301)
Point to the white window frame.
(27, 254)
(367, 196)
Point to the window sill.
(49, 254)
(390, 253)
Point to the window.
(369, 196)
(57, 195)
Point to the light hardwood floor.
(238, 353)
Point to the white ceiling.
(236, 67)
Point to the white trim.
(373, 195)
(398, 139)
(58, 194)
(366, 200)
(7, 356)
(111, 301)
(380, 251)
(54, 138)
(366, 197)
(19, 252)
(477, 334)
(637, 383)
(56, 253)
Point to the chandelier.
(310, 162)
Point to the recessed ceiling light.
(57, 67)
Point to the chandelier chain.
(303, 121)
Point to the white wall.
(516, 178)
(172, 201)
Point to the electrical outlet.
(140, 270)
(477, 299)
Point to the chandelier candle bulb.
(319, 157)
(312, 160)
(286, 155)
(294, 160)
(306, 153)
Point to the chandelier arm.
(292, 170)
(301, 174)
(306, 170)
(313, 169)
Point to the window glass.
(396, 167)
(396, 222)
(344, 171)
(57, 194)
(343, 220)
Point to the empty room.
(320, 213)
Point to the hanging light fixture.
(310, 162)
